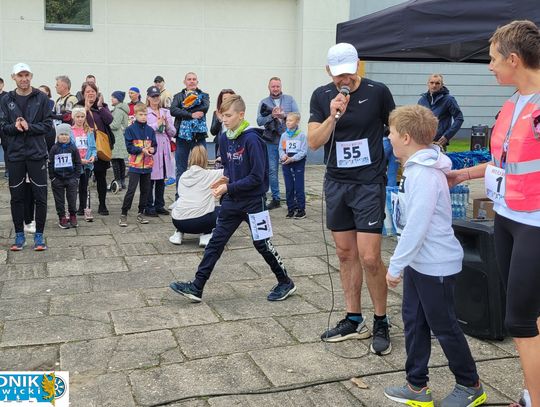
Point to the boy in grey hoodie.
(427, 257)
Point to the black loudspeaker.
(479, 296)
(479, 137)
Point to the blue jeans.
(393, 163)
(293, 174)
(273, 169)
(181, 155)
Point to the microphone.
(345, 90)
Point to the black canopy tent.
(434, 30)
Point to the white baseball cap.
(342, 58)
(21, 67)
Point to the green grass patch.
(459, 145)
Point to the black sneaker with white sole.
(187, 289)
(346, 329)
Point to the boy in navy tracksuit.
(141, 145)
(428, 257)
(243, 187)
(64, 172)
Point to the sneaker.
(281, 291)
(162, 211)
(204, 239)
(406, 395)
(523, 399)
(275, 203)
(300, 214)
(380, 345)
(290, 214)
(346, 329)
(20, 241)
(152, 213)
(103, 211)
(30, 227)
(176, 238)
(39, 242)
(80, 212)
(114, 187)
(463, 396)
(141, 219)
(73, 221)
(188, 290)
(123, 221)
(88, 217)
(63, 222)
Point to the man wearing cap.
(444, 107)
(347, 117)
(25, 120)
(165, 96)
(271, 114)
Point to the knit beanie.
(119, 95)
(63, 128)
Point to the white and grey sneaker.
(176, 238)
(204, 239)
(346, 329)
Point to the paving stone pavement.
(97, 304)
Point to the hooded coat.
(118, 126)
(423, 216)
(446, 109)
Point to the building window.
(68, 15)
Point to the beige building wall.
(235, 44)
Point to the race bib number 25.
(350, 154)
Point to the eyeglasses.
(434, 83)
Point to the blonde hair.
(140, 107)
(80, 111)
(198, 156)
(417, 121)
(235, 102)
(296, 115)
(521, 37)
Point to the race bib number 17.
(261, 227)
(350, 154)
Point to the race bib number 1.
(350, 154)
(261, 227)
(495, 184)
(63, 160)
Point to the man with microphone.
(347, 117)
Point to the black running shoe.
(346, 329)
(380, 344)
(188, 290)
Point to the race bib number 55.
(350, 154)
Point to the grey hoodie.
(195, 198)
(423, 216)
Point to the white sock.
(527, 398)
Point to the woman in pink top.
(163, 124)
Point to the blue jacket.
(139, 136)
(245, 163)
(446, 109)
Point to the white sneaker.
(30, 228)
(172, 206)
(204, 239)
(176, 238)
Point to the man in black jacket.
(191, 111)
(25, 120)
